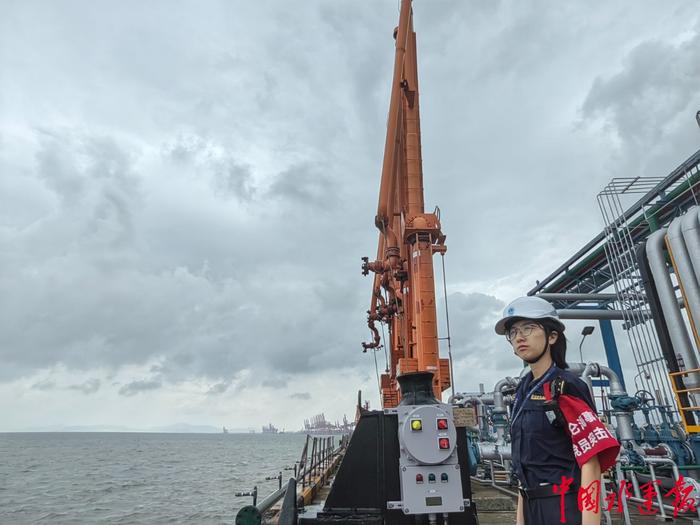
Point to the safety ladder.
(686, 403)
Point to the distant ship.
(270, 429)
(225, 430)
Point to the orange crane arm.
(403, 291)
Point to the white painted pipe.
(684, 270)
(690, 228)
(669, 306)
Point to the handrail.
(323, 450)
(310, 472)
(271, 499)
(685, 403)
(684, 372)
(253, 514)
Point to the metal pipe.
(664, 461)
(493, 473)
(616, 387)
(271, 499)
(625, 509)
(662, 186)
(574, 368)
(577, 368)
(465, 398)
(642, 500)
(590, 370)
(590, 313)
(635, 484)
(384, 212)
(593, 297)
(497, 487)
(495, 451)
(498, 395)
(499, 407)
(681, 260)
(667, 297)
(657, 493)
(625, 420)
(690, 227)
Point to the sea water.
(73, 478)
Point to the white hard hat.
(529, 307)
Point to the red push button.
(444, 443)
(442, 424)
(419, 478)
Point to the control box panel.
(429, 468)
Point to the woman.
(541, 438)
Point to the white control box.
(430, 475)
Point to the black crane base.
(368, 477)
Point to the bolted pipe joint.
(374, 266)
(393, 254)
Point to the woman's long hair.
(558, 349)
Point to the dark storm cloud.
(304, 396)
(88, 387)
(202, 203)
(143, 385)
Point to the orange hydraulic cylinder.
(392, 132)
(414, 161)
(424, 312)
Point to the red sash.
(589, 436)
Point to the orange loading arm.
(403, 291)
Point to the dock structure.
(315, 473)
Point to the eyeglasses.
(526, 330)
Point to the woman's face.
(529, 347)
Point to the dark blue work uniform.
(542, 453)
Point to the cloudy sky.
(187, 188)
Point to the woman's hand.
(520, 517)
(590, 472)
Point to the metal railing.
(316, 457)
(682, 407)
